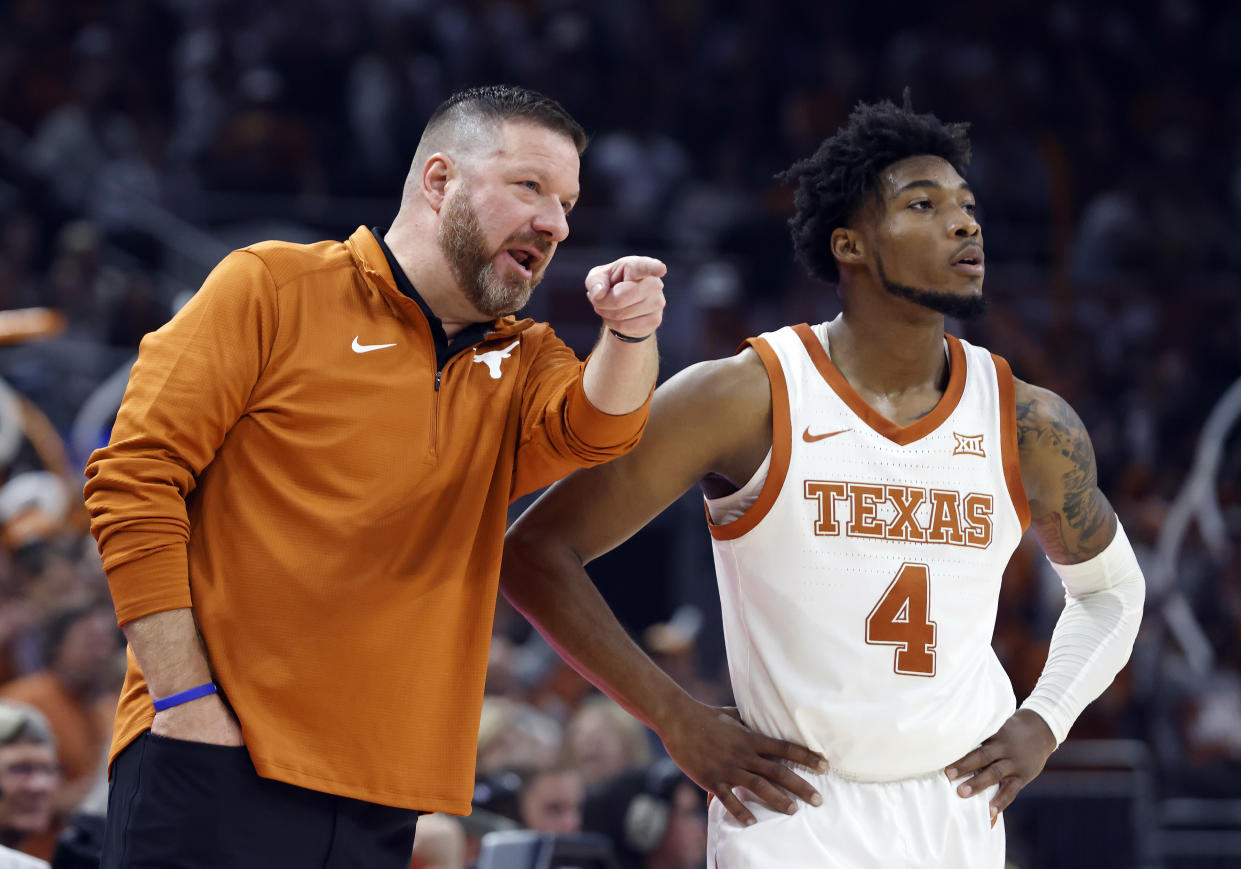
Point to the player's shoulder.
(1039, 407)
(733, 384)
(1049, 432)
(712, 410)
(744, 368)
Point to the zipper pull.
(438, 375)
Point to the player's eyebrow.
(927, 182)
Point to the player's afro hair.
(837, 180)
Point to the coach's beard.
(461, 239)
(948, 304)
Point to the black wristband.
(628, 339)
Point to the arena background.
(140, 140)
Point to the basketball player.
(866, 481)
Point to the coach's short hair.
(834, 183)
(494, 104)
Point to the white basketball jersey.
(859, 588)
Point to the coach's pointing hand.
(717, 751)
(628, 294)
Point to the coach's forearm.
(550, 587)
(169, 650)
(619, 376)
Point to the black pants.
(187, 805)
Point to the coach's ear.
(848, 246)
(438, 171)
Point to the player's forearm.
(1093, 636)
(619, 375)
(552, 590)
(169, 650)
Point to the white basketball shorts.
(918, 823)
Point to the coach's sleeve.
(561, 430)
(190, 385)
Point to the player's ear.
(847, 245)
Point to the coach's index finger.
(601, 279)
(633, 268)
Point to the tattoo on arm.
(1077, 523)
(1050, 530)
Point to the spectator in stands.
(544, 799)
(550, 800)
(603, 739)
(512, 733)
(74, 143)
(654, 815)
(77, 692)
(29, 775)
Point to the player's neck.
(888, 357)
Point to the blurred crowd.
(1107, 163)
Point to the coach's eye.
(920, 205)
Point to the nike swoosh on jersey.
(811, 438)
(367, 348)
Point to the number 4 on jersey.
(900, 619)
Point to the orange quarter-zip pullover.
(290, 461)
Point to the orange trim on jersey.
(781, 449)
(1008, 441)
(900, 434)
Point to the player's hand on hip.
(1012, 757)
(206, 719)
(715, 749)
(628, 294)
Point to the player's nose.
(965, 224)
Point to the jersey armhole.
(1008, 441)
(781, 449)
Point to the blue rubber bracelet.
(185, 696)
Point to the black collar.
(444, 349)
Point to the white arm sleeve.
(1093, 636)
